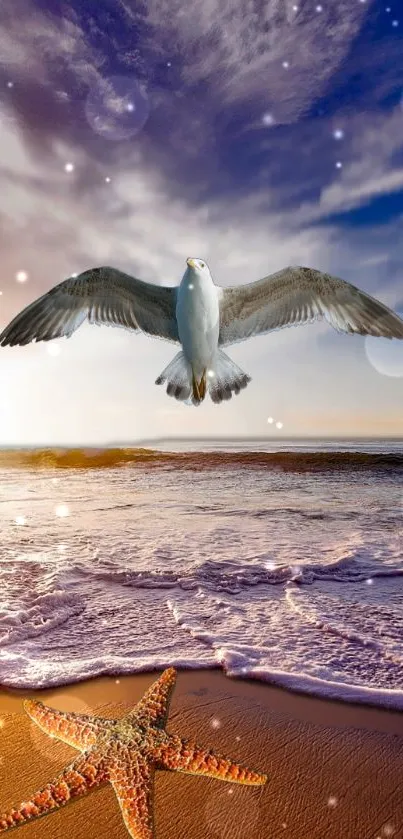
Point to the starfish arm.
(153, 707)
(85, 774)
(77, 730)
(184, 756)
(132, 779)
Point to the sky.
(254, 134)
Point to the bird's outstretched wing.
(299, 295)
(103, 296)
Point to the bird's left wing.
(299, 295)
(102, 296)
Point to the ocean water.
(282, 563)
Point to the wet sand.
(335, 770)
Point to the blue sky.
(262, 134)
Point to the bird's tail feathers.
(178, 376)
(226, 378)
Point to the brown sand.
(335, 770)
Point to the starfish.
(125, 753)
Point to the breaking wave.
(287, 461)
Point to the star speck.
(20, 520)
(53, 349)
(107, 180)
(338, 134)
(21, 276)
(69, 167)
(332, 801)
(285, 64)
(339, 164)
(62, 511)
(279, 424)
(270, 420)
(267, 119)
(10, 84)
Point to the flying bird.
(201, 317)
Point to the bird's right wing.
(102, 296)
(299, 295)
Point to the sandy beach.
(335, 770)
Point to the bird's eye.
(202, 265)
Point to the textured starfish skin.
(124, 753)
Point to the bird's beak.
(190, 263)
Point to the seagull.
(201, 317)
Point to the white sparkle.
(271, 566)
(339, 164)
(389, 830)
(211, 374)
(215, 723)
(20, 520)
(332, 801)
(62, 511)
(107, 180)
(295, 8)
(191, 286)
(395, 23)
(130, 107)
(69, 167)
(237, 738)
(369, 582)
(267, 119)
(74, 275)
(388, 9)
(10, 84)
(1, 722)
(1, 293)
(279, 424)
(168, 64)
(61, 549)
(338, 134)
(319, 8)
(117, 681)
(21, 276)
(230, 792)
(285, 64)
(53, 349)
(270, 420)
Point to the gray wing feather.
(299, 295)
(102, 296)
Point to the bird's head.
(198, 269)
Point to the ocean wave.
(108, 458)
(235, 577)
(45, 613)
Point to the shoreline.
(334, 768)
(299, 704)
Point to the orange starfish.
(124, 753)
